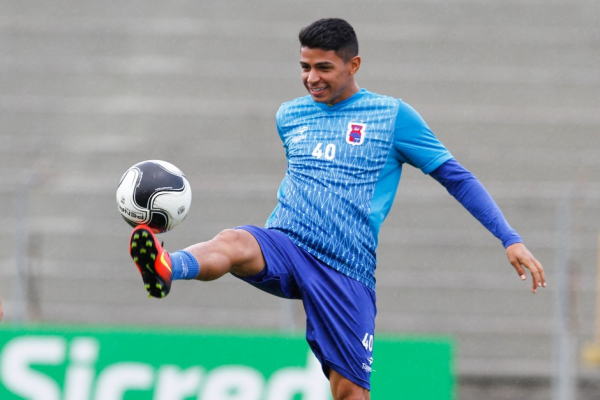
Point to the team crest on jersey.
(356, 133)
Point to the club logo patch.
(356, 133)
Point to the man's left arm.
(467, 189)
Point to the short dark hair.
(331, 34)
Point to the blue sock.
(184, 265)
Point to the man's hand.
(521, 258)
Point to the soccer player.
(345, 148)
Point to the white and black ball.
(154, 193)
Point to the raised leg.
(235, 251)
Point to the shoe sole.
(144, 253)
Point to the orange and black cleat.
(153, 262)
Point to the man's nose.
(313, 76)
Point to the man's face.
(326, 76)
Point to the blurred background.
(512, 88)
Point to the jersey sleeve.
(469, 191)
(278, 121)
(414, 142)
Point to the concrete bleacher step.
(510, 87)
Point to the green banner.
(109, 363)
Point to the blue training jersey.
(344, 165)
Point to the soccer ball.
(154, 193)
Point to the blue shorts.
(340, 311)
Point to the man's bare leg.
(235, 251)
(344, 389)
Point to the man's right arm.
(467, 189)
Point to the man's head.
(329, 59)
(331, 34)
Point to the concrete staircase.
(511, 88)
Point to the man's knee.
(344, 389)
(227, 238)
(242, 249)
(359, 394)
(234, 240)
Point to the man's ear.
(354, 65)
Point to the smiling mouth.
(317, 90)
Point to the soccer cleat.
(153, 262)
